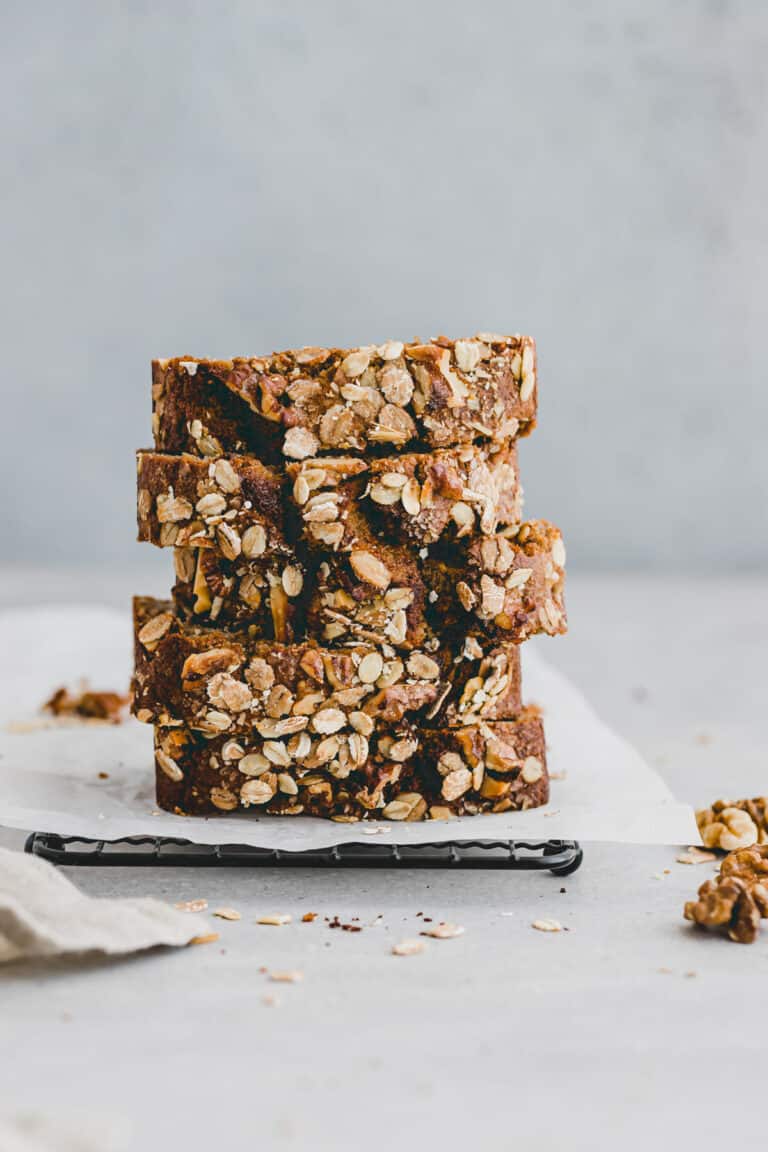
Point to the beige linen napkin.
(43, 914)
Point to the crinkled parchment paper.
(49, 777)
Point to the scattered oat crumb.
(694, 855)
(667, 871)
(664, 971)
(444, 931)
(554, 812)
(208, 938)
(408, 947)
(558, 775)
(547, 925)
(690, 975)
(703, 738)
(227, 914)
(87, 705)
(270, 1000)
(192, 905)
(288, 977)
(658, 876)
(308, 917)
(277, 920)
(103, 775)
(373, 831)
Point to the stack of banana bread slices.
(353, 582)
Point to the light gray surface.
(506, 1038)
(228, 178)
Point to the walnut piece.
(737, 898)
(733, 824)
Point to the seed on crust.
(153, 631)
(293, 580)
(254, 541)
(229, 541)
(299, 444)
(456, 783)
(370, 667)
(422, 667)
(254, 764)
(212, 504)
(532, 770)
(225, 476)
(328, 720)
(467, 353)
(258, 791)
(223, 799)
(171, 509)
(168, 766)
(369, 568)
(355, 363)
(383, 494)
(410, 497)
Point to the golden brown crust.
(309, 400)
(400, 774)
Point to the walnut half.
(737, 898)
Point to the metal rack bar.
(560, 857)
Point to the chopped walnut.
(737, 898)
(733, 824)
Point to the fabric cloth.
(42, 914)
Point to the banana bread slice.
(295, 404)
(399, 774)
(224, 681)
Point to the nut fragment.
(737, 897)
(408, 947)
(547, 925)
(406, 806)
(444, 931)
(732, 828)
(226, 914)
(456, 783)
(224, 691)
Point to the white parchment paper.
(49, 777)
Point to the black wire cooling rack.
(560, 857)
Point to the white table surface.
(504, 1038)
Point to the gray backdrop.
(235, 177)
